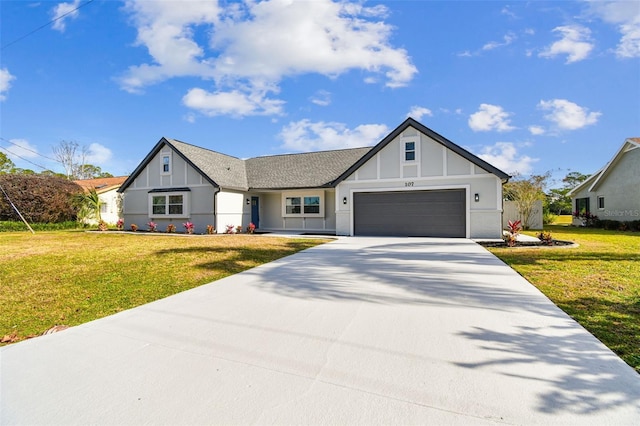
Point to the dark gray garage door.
(410, 213)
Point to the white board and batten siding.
(435, 168)
(199, 203)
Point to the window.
(166, 164)
(293, 205)
(582, 205)
(103, 207)
(168, 205)
(601, 203)
(312, 205)
(409, 151)
(303, 205)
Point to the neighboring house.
(613, 192)
(412, 183)
(107, 189)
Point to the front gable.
(166, 167)
(413, 150)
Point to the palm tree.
(89, 203)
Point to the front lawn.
(71, 277)
(597, 283)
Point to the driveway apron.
(357, 331)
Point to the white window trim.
(302, 194)
(162, 156)
(403, 150)
(185, 205)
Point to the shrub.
(153, 227)
(134, 227)
(171, 228)
(239, 229)
(545, 237)
(102, 226)
(40, 199)
(548, 218)
(513, 230)
(229, 229)
(18, 226)
(588, 219)
(188, 226)
(251, 228)
(120, 224)
(210, 230)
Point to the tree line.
(48, 196)
(70, 155)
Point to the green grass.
(564, 219)
(597, 283)
(71, 277)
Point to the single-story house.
(414, 182)
(110, 199)
(613, 192)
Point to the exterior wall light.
(249, 201)
(344, 200)
(477, 197)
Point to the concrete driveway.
(358, 331)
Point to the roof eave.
(152, 154)
(410, 122)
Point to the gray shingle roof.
(292, 171)
(288, 171)
(308, 170)
(226, 171)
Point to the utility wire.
(28, 149)
(22, 158)
(17, 211)
(45, 25)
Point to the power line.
(45, 25)
(24, 159)
(28, 149)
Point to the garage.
(437, 213)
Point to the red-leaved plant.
(188, 226)
(513, 229)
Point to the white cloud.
(504, 156)
(5, 82)
(21, 148)
(536, 130)
(418, 112)
(306, 136)
(575, 43)
(234, 103)
(98, 154)
(506, 40)
(63, 12)
(626, 15)
(568, 115)
(322, 98)
(254, 45)
(490, 117)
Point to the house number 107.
(408, 184)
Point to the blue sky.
(528, 86)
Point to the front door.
(255, 211)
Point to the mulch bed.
(529, 244)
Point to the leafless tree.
(72, 156)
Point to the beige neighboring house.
(107, 189)
(414, 182)
(613, 192)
